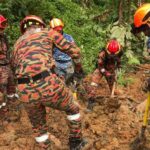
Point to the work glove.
(108, 74)
(105, 73)
(2, 104)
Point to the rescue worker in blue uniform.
(64, 64)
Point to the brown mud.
(111, 126)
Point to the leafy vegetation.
(123, 80)
(90, 22)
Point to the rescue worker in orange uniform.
(109, 59)
(142, 24)
(64, 64)
(38, 86)
(7, 84)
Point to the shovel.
(139, 142)
(114, 85)
(113, 90)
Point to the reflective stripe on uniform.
(42, 138)
(94, 84)
(73, 117)
(11, 95)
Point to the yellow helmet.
(55, 22)
(142, 15)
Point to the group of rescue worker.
(42, 64)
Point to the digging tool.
(73, 86)
(139, 142)
(75, 90)
(113, 90)
(77, 80)
(114, 84)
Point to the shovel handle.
(113, 90)
(142, 134)
(75, 95)
(114, 84)
(145, 119)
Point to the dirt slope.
(111, 126)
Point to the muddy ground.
(111, 126)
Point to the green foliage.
(91, 23)
(132, 60)
(12, 34)
(122, 80)
(133, 48)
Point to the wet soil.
(112, 125)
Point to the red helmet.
(31, 20)
(113, 47)
(3, 22)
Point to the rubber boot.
(77, 144)
(91, 103)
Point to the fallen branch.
(123, 97)
(142, 68)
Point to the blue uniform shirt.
(60, 56)
(64, 63)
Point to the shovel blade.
(139, 142)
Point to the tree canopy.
(91, 23)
